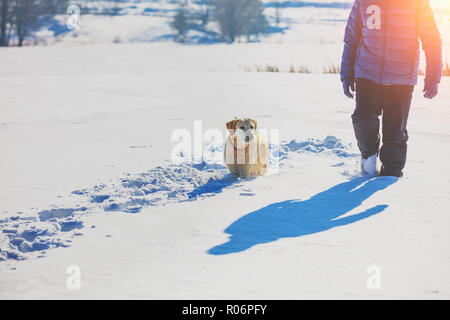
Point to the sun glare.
(442, 4)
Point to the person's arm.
(351, 39)
(432, 45)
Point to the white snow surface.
(369, 165)
(86, 179)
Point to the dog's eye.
(251, 127)
(242, 128)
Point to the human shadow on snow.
(296, 218)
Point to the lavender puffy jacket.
(382, 42)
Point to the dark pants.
(393, 102)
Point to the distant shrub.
(272, 69)
(446, 70)
(304, 69)
(301, 69)
(331, 69)
(267, 68)
(328, 69)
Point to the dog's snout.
(249, 137)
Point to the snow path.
(56, 226)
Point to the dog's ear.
(231, 125)
(255, 123)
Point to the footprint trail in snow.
(31, 234)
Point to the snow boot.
(389, 173)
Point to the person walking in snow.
(381, 61)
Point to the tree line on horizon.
(18, 18)
(235, 18)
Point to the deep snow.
(88, 127)
(54, 227)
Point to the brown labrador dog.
(246, 152)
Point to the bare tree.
(4, 22)
(52, 7)
(111, 7)
(278, 6)
(180, 23)
(25, 17)
(20, 17)
(258, 25)
(205, 12)
(236, 17)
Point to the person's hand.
(430, 89)
(349, 87)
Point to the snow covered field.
(89, 128)
(314, 28)
(87, 181)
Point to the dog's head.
(243, 128)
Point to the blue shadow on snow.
(213, 186)
(296, 218)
